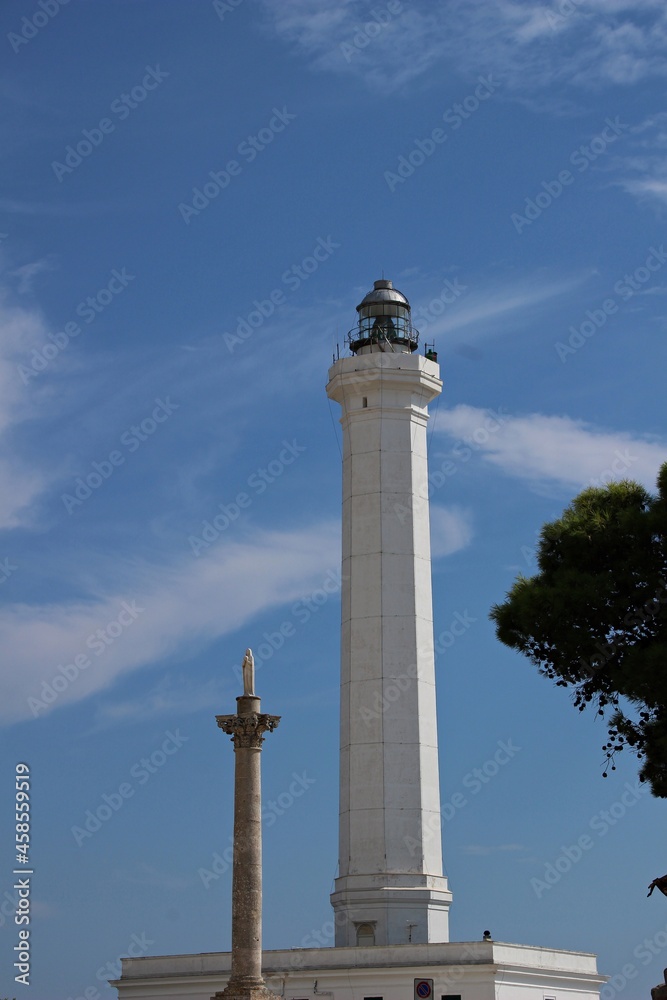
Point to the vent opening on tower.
(365, 935)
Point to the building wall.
(474, 970)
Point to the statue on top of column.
(248, 669)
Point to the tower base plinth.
(245, 988)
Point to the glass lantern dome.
(385, 322)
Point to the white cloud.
(451, 530)
(342, 36)
(645, 168)
(490, 309)
(532, 45)
(652, 187)
(20, 330)
(27, 272)
(172, 695)
(535, 45)
(183, 606)
(552, 449)
(31, 396)
(18, 488)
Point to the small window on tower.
(366, 939)
(364, 401)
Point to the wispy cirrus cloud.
(20, 329)
(154, 611)
(538, 45)
(531, 45)
(41, 387)
(644, 170)
(491, 308)
(343, 36)
(174, 694)
(557, 450)
(26, 273)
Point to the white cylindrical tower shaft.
(390, 888)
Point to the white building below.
(474, 970)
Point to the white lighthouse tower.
(390, 888)
(390, 900)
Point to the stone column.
(246, 729)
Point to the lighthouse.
(390, 888)
(390, 900)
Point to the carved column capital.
(247, 731)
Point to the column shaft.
(247, 871)
(247, 730)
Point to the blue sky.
(195, 198)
